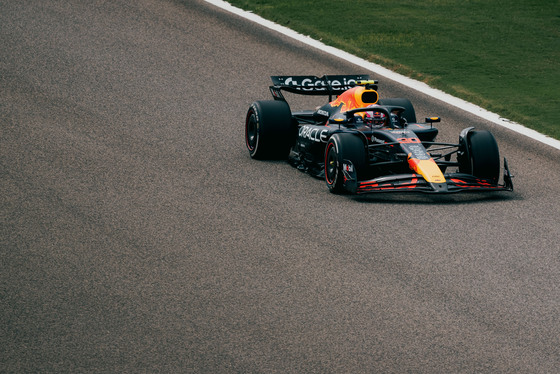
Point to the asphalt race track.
(137, 235)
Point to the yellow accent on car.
(427, 169)
(363, 83)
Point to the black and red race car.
(362, 144)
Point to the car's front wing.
(454, 182)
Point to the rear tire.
(343, 147)
(269, 130)
(482, 156)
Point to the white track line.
(380, 70)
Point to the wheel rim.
(252, 133)
(331, 165)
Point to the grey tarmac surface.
(137, 235)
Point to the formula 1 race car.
(362, 144)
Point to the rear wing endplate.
(311, 85)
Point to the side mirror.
(339, 119)
(433, 119)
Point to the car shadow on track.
(464, 198)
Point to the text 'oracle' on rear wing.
(312, 85)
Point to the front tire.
(342, 147)
(269, 132)
(480, 155)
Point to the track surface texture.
(138, 236)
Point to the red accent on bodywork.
(350, 99)
(408, 140)
(479, 183)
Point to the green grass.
(501, 55)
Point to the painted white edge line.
(380, 70)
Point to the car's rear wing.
(311, 85)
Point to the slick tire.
(343, 147)
(483, 156)
(409, 112)
(269, 130)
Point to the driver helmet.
(375, 118)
